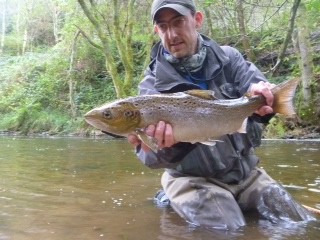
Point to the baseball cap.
(183, 7)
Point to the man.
(209, 185)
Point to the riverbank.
(310, 132)
(282, 128)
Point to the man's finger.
(159, 133)
(134, 140)
(264, 110)
(168, 136)
(150, 130)
(266, 92)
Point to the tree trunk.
(55, 12)
(288, 36)
(208, 21)
(3, 28)
(305, 49)
(29, 9)
(123, 42)
(72, 83)
(243, 31)
(25, 40)
(18, 28)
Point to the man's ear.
(199, 19)
(155, 28)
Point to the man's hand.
(263, 88)
(162, 132)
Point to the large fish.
(195, 115)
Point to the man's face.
(178, 33)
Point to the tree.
(71, 82)
(220, 22)
(56, 13)
(305, 50)
(243, 31)
(288, 35)
(113, 23)
(29, 8)
(3, 28)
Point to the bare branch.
(88, 13)
(89, 39)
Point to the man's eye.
(179, 22)
(162, 27)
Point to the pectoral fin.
(147, 140)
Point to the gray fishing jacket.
(229, 75)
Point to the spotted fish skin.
(195, 115)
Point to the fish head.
(119, 118)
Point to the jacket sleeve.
(166, 157)
(243, 73)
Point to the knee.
(276, 204)
(217, 210)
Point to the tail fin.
(283, 97)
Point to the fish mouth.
(94, 122)
(91, 114)
(91, 118)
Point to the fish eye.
(107, 114)
(128, 113)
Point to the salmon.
(195, 115)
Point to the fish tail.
(283, 97)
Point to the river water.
(76, 188)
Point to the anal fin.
(147, 140)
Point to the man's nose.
(172, 33)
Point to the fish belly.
(206, 128)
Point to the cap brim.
(176, 7)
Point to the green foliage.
(270, 40)
(34, 88)
(276, 128)
(308, 112)
(32, 119)
(99, 91)
(11, 45)
(313, 8)
(29, 81)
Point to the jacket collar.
(167, 76)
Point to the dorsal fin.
(204, 94)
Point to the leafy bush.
(276, 127)
(35, 90)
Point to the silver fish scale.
(194, 119)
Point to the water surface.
(73, 188)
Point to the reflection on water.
(62, 188)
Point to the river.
(81, 188)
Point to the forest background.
(59, 58)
